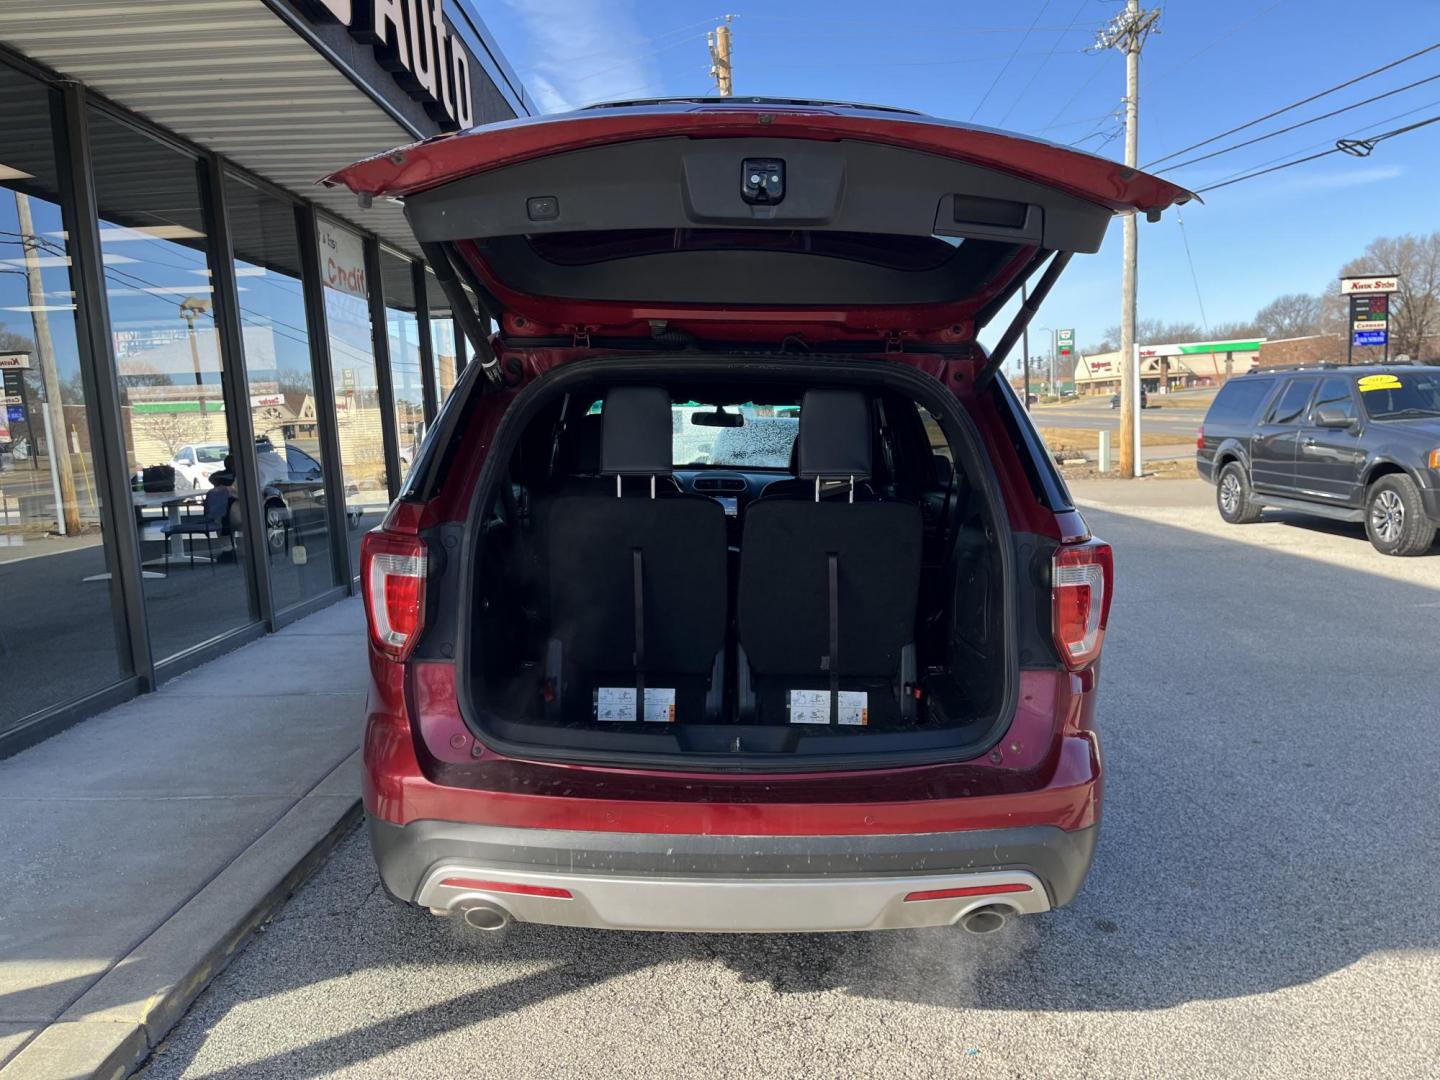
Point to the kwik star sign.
(412, 38)
(1370, 308)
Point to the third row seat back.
(828, 587)
(637, 582)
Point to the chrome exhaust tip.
(986, 920)
(486, 917)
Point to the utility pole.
(67, 514)
(719, 43)
(1127, 32)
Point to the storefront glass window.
(445, 338)
(185, 505)
(358, 416)
(403, 330)
(57, 629)
(281, 370)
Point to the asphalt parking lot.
(1263, 903)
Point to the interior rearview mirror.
(1329, 417)
(718, 418)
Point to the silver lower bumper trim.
(729, 905)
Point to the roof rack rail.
(1326, 365)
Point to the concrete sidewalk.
(143, 846)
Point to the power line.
(1293, 105)
(607, 53)
(1095, 74)
(1001, 74)
(1353, 147)
(1302, 123)
(1073, 123)
(629, 61)
(867, 26)
(1326, 142)
(1040, 67)
(1227, 34)
(1194, 277)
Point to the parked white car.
(194, 464)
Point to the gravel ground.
(1263, 904)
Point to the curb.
(112, 1028)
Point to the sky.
(1028, 66)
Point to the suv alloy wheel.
(1233, 497)
(1395, 518)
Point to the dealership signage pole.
(1064, 348)
(1369, 311)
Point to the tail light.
(393, 564)
(1082, 579)
(1200, 438)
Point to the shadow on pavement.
(1349, 530)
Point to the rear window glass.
(1239, 400)
(747, 436)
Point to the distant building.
(1181, 366)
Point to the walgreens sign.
(413, 39)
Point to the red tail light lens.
(1200, 438)
(1082, 579)
(392, 575)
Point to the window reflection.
(57, 634)
(357, 392)
(281, 371)
(403, 330)
(447, 342)
(167, 357)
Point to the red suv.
(732, 590)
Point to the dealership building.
(215, 372)
(1181, 366)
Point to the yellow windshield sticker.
(1378, 382)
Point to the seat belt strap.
(834, 659)
(638, 561)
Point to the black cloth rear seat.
(637, 584)
(828, 589)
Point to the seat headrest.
(835, 437)
(635, 432)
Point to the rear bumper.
(747, 884)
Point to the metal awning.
(229, 75)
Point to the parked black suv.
(1347, 443)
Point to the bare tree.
(1236, 331)
(172, 430)
(1288, 316)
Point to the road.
(1263, 903)
(1100, 417)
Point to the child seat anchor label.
(813, 707)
